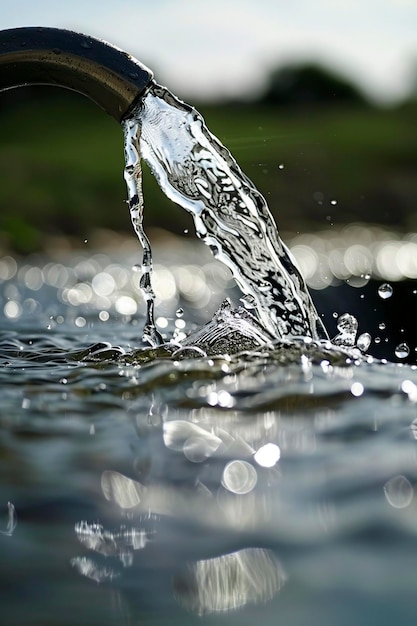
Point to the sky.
(212, 49)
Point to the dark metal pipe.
(52, 56)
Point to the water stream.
(230, 215)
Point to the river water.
(149, 488)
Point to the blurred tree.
(308, 84)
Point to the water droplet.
(179, 312)
(85, 240)
(377, 340)
(385, 291)
(198, 448)
(281, 166)
(364, 341)
(335, 315)
(402, 351)
(381, 326)
(333, 202)
(347, 325)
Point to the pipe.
(51, 56)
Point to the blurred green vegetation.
(61, 162)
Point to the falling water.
(133, 177)
(197, 172)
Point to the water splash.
(230, 331)
(197, 172)
(364, 341)
(347, 325)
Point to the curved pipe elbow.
(51, 56)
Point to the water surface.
(273, 485)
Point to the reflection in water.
(237, 497)
(109, 543)
(120, 544)
(11, 520)
(125, 492)
(196, 442)
(411, 390)
(88, 568)
(229, 582)
(204, 473)
(399, 492)
(237, 505)
(268, 455)
(239, 477)
(290, 478)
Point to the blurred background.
(317, 101)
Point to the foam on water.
(197, 172)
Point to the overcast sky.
(212, 48)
